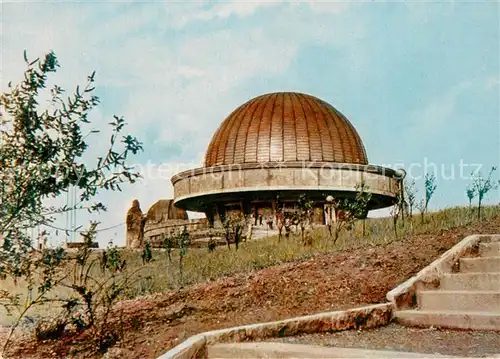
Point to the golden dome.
(164, 210)
(285, 126)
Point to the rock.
(115, 353)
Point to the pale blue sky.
(419, 81)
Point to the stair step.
(480, 264)
(489, 249)
(449, 319)
(471, 281)
(469, 301)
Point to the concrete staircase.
(466, 299)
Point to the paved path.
(459, 343)
(263, 232)
(285, 350)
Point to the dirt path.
(325, 282)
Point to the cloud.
(333, 7)
(189, 72)
(437, 113)
(220, 10)
(492, 83)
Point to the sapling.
(304, 214)
(348, 210)
(410, 191)
(168, 245)
(183, 241)
(146, 255)
(481, 187)
(430, 188)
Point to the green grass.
(200, 265)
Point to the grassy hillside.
(200, 265)
(324, 277)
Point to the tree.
(348, 210)
(42, 157)
(481, 187)
(430, 188)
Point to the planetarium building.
(274, 148)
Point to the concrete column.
(273, 206)
(221, 211)
(210, 217)
(245, 207)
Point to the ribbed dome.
(285, 126)
(164, 209)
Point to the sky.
(420, 81)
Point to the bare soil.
(324, 282)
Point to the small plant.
(146, 255)
(395, 212)
(280, 222)
(91, 304)
(304, 214)
(168, 244)
(471, 193)
(421, 208)
(211, 245)
(234, 225)
(112, 259)
(183, 241)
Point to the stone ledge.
(404, 295)
(194, 347)
(357, 318)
